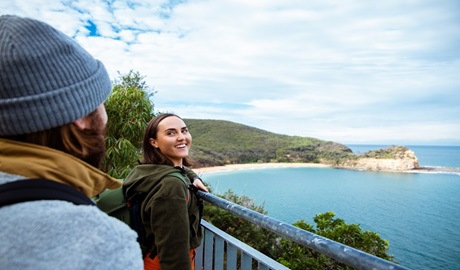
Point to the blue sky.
(351, 71)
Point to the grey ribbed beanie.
(46, 78)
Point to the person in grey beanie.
(52, 122)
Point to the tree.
(129, 109)
(296, 256)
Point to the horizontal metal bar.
(335, 250)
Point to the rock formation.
(393, 158)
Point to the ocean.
(416, 212)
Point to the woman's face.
(173, 139)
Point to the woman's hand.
(199, 184)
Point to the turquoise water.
(417, 213)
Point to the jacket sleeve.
(169, 223)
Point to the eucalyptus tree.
(129, 108)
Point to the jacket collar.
(35, 161)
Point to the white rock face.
(403, 160)
(373, 164)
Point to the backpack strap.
(181, 177)
(40, 189)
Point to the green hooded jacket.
(175, 226)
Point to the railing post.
(208, 250)
(248, 254)
(231, 256)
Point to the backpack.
(40, 189)
(128, 210)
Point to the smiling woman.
(171, 139)
(175, 231)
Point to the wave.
(436, 170)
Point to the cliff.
(393, 158)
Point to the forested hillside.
(218, 142)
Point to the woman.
(170, 212)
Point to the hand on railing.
(199, 184)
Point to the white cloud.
(348, 71)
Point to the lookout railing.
(221, 251)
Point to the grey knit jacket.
(58, 234)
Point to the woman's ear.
(153, 143)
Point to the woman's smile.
(173, 139)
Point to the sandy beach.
(252, 166)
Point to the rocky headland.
(393, 158)
(218, 143)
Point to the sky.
(348, 71)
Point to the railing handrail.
(335, 250)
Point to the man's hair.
(151, 154)
(87, 144)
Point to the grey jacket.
(58, 234)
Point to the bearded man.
(52, 122)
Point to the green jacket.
(165, 215)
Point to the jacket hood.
(145, 176)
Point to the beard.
(95, 158)
(96, 133)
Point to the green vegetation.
(217, 142)
(257, 237)
(129, 109)
(288, 252)
(298, 257)
(392, 152)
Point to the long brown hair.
(151, 154)
(87, 145)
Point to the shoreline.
(255, 166)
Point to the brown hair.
(87, 145)
(151, 154)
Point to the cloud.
(349, 71)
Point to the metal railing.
(210, 254)
(220, 249)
